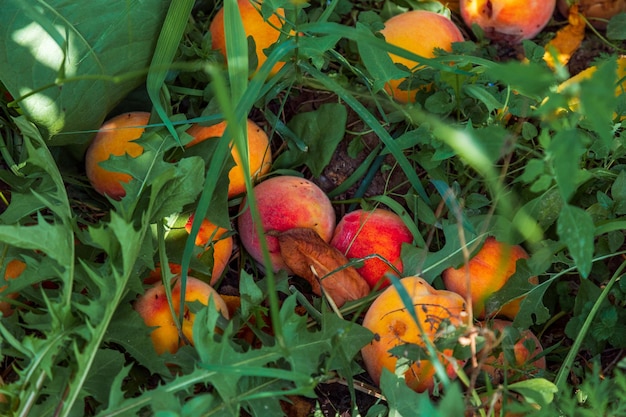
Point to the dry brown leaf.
(567, 39)
(311, 258)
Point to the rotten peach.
(363, 233)
(486, 272)
(508, 20)
(393, 325)
(422, 33)
(153, 307)
(284, 202)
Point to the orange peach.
(259, 155)
(14, 269)
(420, 32)
(285, 202)
(264, 32)
(153, 307)
(513, 356)
(362, 233)
(115, 137)
(508, 20)
(393, 325)
(599, 12)
(488, 271)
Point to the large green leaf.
(74, 61)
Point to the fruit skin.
(489, 270)
(420, 32)
(260, 157)
(152, 306)
(285, 202)
(264, 33)
(509, 21)
(361, 233)
(393, 325)
(595, 10)
(115, 137)
(14, 269)
(520, 369)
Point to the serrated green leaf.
(79, 60)
(576, 229)
(106, 367)
(528, 78)
(598, 100)
(565, 151)
(616, 28)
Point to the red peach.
(362, 233)
(285, 202)
(488, 270)
(521, 367)
(153, 307)
(508, 20)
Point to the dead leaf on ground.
(311, 258)
(567, 39)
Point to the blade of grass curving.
(362, 169)
(236, 50)
(167, 45)
(568, 363)
(374, 124)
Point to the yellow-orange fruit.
(508, 20)
(115, 137)
(152, 306)
(259, 154)
(392, 324)
(264, 32)
(597, 11)
(420, 32)
(14, 269)
(517, 366)
(488, 271)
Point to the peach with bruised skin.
(508, 20)
(512, 358)
(362, 233)
(284, 202)
(488, 270)
(153, 307)
(14, 269)
(264, 32)
(259, 158)
(115, 137)
(393, 325)
(420, 32)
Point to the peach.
(264, 32)
(362, 233)
(420, 32)
(210, 237)
(488, 271)
(521, 352)
(115, 137)
(597, 11)
(508, 20)
(259, 155)
(14, 269)
(153, 307)
(393, 325)
(285, 202)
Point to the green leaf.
(616, 28)
(530, 79)
(576, 229)
(598, 100)
(538, 391)
(565, 151)
(104, 370)
(321, 130)
(75, 61)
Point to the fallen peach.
(513, 357)
(598, 12)
(284, 202)
(420, 32)
(115, 137)
(362, 233)
(259, 155)
(508, 20)
(264, 32)
(14, 269)
(488, 271)
(393, 325)
(153, 307)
